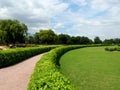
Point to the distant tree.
(97, 40)
(14, 30)
(75, 39)
(46, 37)
(67, 39)
(85, 40)
(90, 41)
(64, 39)
(108, 41)
(36, 38)
(116, 41)
(30, 39)
(2, 37)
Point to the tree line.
(50, 37)
(12, 32)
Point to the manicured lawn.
(92, 68)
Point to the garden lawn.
(92, 68)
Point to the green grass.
(92, 68)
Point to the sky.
(89, 18)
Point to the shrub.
(113, 49)
(106, 49)
(47, 75)
(13, 56)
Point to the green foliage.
(85, 40)
(67, 39)
(97, 40)
(63, 38)
(14, 31)
(49, 37)
(115, 41)
(112, 49)
(2, 37)
(108, 42)
(47, 76)
(46, 37)
(30, 39)
(13, 56)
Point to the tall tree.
(97, 40)
(46, 37)
(30, 39)
(2, 37)
(108, 41)
(64, 39)
(75, 39)
(116, 41)
(85, 40)
(15, 31)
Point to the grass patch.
(92, 68)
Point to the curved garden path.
(17, 77)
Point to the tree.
(15, 31)
(116, 41)
(64, 39)
(108, 41)
(30, 39)
(85, 40)
(75, 39)
(2, 37)
(46, 37)
(36, 38)
(97, 40)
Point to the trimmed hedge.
(13, 56)
(47, 75)
(113, 49)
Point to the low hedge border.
(47, 75)
(113, 49)
(13, 56)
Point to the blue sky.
(74, 17)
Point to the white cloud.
(58, 25)
(103, 4)
(4, 12)
(75, 17)
(99, 4)
(80, 2)
(83, 21)
(32, 12)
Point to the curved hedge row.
(10, 57)
(47, 75)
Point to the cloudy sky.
(74, 17)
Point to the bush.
(47, 75)
(106, 49)
(13, 56)
(113, 49)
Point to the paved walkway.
(17, 77)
